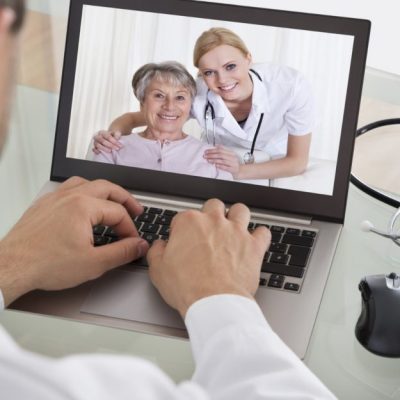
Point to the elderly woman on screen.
(165, 92)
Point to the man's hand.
(51, 247)
(107, 141)
(208, 253)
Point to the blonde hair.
(215, 37)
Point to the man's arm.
(208, 270)
(238, 356)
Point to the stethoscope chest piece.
(248, 158)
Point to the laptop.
(107, 41)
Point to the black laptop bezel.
(323, 207)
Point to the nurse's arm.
(294, 163)
(128, 121)
(108, 140)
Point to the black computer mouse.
(378, 327)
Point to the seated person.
(165, 92)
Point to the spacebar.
(282, 269)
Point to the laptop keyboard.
(284, 264)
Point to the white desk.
(334, 354)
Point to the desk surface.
(334, 354)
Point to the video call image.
(232, 101)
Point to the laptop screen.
(244, 104)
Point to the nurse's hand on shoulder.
(224, 159)
(106, 141)
(51, 247)
(209, 252)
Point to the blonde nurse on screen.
(261, 107)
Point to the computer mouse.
(378, 327)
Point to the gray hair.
(169, 71)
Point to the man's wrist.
(186, 304)
(213, 314)
(14, 280)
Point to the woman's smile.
(167, 117)
(228, 88)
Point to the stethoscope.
(367, 226)
(209, 119)
(391, 233)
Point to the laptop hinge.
(283, 218)
(163, 200)
(258, 215)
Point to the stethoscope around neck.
(209, 118)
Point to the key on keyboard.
(287, 257)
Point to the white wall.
(383, 52)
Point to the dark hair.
(18, 6)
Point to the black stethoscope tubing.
(249, 157)
(361, 185)
(390, 232)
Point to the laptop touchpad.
(130, 295)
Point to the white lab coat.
(283, 95)
(237, 357)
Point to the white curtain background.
(115, 43)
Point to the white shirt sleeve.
(237, 356)
(300, 117)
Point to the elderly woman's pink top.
(184, 156)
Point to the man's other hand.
(208, 252)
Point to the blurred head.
(11, 18)
(224, 61)
(165, 92)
